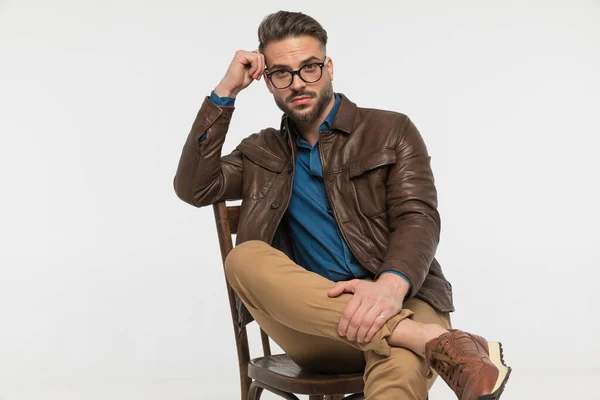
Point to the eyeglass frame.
(297, 72)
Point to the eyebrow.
(283, 66)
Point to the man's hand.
(361, 319)
(245, 67)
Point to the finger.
(358, 320)
(367, 322)
(347, 315)
(253, 70)
(350, 286)
(337, 289)
(371, 318)
(249, 60)
(346, 286)
(259, 65)
(244, 57)
(262, 65)
(378, 324)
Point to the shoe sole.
(497, 357)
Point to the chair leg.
(254, 392)
(245, 385)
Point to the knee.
(241, 257)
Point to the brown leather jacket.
(377, 177)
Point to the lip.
(301, 100)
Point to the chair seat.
(280, 372)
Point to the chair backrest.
(227, 219)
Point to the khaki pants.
(291, 305)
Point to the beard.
(323, 99)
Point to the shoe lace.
(447, 360)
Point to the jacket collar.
(344, 119)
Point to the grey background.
(112, 288)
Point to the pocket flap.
(372, 161)
(262, 157)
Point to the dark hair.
(285, 24)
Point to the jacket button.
(274, 205)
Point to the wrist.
(223, 91)
(395, 282)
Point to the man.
(338, 226)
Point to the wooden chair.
(275, 373)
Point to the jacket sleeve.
(204, 177)
(412, 209)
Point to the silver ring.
(382, 316)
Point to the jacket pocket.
(368, 176)
(260, 169)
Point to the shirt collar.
(332, 113)
(326, 124)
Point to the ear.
(330, 67)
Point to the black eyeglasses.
(309, 73)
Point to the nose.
(297, 83)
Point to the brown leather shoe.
(473, 368)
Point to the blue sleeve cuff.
(222, 101)
(391, 271)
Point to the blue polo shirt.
(315, 236)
